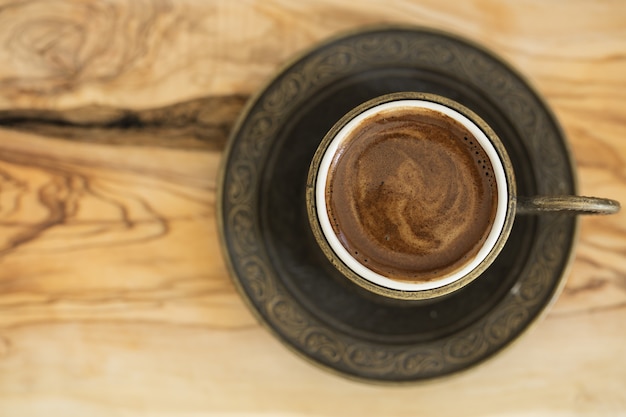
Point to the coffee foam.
(402, 271)
(405, 197)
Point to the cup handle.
(568, 204)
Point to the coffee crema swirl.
(411, 194)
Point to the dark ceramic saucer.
(283, 275)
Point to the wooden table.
(114, 296)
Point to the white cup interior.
(372, 276)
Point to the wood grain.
(114, 296)
(195, 124)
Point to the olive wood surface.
(115, 296)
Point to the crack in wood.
(202, 123)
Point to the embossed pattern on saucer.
(286, 280)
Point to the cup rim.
(365, 277)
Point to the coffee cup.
(412, 196)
